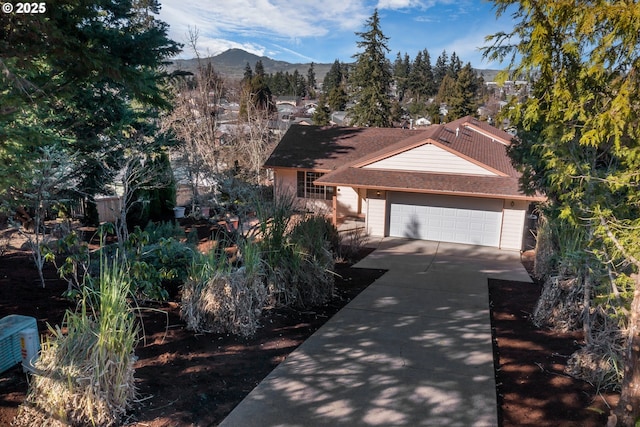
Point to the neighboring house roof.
(373, 158)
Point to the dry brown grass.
(226, 301)
(560, 305)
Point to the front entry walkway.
(413, 349)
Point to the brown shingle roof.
(463, 185)
(328, 148)
(342, 151)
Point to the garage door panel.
(445, 218)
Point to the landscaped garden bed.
(185, 378)
(182, 378)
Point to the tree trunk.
(586, 313)
(628, 409)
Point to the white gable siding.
(429, 158)
(376, 217)
(513, 219)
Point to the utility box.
(29, 347)
(10, 344)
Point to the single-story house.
(452, 182)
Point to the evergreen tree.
(416, 82)
(440, 69)
(430, 87)
(463, 100)
(337, 98)
(396, 111)
(311, 80)
(455, 65)
(256, 91)
(88, 76)
(371, 78)
(248, 74)
(447, 90)
(421, 78)
(333, 78)
(322, 115)
(259, 68)
(578, 143)
(401, 70)
(298, 84)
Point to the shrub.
(156, 262)
(560, 305)
(317, 240)
(545, 250)
(154, 198)
(352, 243)
(220, 298)
(85, 376)
(299, 271)
(316, 233)
(164, 230)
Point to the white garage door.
(468, 220)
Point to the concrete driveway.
(413, 349)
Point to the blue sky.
(323, 31)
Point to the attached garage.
(469, 220)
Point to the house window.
(307, 190)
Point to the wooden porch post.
(334, 215)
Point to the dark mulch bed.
(532, 387)
(183, 379)
(186, 379)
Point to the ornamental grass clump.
(219, 297)
(315, 239)
(85, 373)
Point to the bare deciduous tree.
(194, 122)
(137, 175)
(50, 177)
(253, 142)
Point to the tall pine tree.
(463, 100)
(333, 78)
(87, 76)
(371, 78)
(441, 69)
(311, 80)
(322, 115)
(401, 70)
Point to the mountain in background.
(231, 64)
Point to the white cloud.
(425, 18)
(325, 30)
(220, 21)
(273, 17)
(400, 4)
(417, 4)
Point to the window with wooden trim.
(307, 190)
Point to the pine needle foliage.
(371, 78)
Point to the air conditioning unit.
(10, 346)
